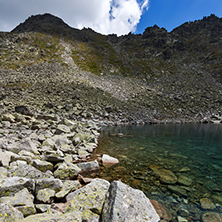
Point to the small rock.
(45, 196)
(181, 219)
(62, 129)
(212, 217)
(165, 176)
(177, 190)
(184, 180)
(207, 204)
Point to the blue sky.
(110, 16)
(172, 13)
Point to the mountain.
(156, 76)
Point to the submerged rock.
(165, 176)
(124, 203)
(212, 217)
(207, 204)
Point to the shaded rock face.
(123, 203)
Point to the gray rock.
(89, 199)
(124, 203)
(88, 167)
(68, 186)
(65, 171)
(45, 196)
(48, 117)
(28, 145)
(3, 172)
(50, 217)
(62, 129)
(8, 214)
(8, 117)
(42, 165)
(52, 183)
(23, 201)
(42, 208)
(28, 171)
(12, 185)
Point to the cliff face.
(168, 75)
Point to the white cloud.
(104, 16)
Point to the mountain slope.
(154, 76)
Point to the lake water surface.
(192, 152)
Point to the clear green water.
(190, 150)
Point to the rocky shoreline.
(46, 174)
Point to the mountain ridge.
(172, 75)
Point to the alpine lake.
(179, 165)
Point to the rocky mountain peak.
(42, 23)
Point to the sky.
(110, 16)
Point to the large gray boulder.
(52, 183)
(65, 171)
(12, 185)
(8, 213)
(124, 203)
(89, 199)
(28, 171)
(23, 201)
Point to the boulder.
(24, 110)
(88, 167)
(28, 171)
(52, 217)
(23, 201)
(62, 129)
(124, 203)
(8, 213)
(68, 186)
(8, 117)
(165, 176)
(42, 165)
(109, 161)
(12, 185)
(28, 145)
(52, 183)
(65, 171)
(89, 199)
(45, 196)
